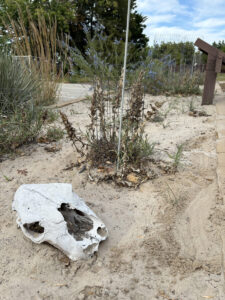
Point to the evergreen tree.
(181, 52)
(76, 17)
(220, 45)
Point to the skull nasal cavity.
(78, 223)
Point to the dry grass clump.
(28, 79)
(36, 45)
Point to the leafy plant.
(21, 126)
(176, 157)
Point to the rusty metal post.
(210, 81)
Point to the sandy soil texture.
(164, 238)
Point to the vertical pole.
(192, 65)
(210, 80)
(123, 87)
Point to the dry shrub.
(101, 139)
(103, 132)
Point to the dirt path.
(165, 239)
(70, 91)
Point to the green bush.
(181, 52)
(20, 117)
(19, 127)
(18, 85)
(162, 78)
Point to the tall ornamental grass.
(36, 43)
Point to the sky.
(183, 20)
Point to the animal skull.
(53, 213)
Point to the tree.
(110, 15)
(64, 11)
(181, 52)
(220, 45)
(72, 16)
(113, 15)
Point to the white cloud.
(208, 8)
(202, 18)
(153, 20)
(160, 6)
(176, 34)
(210, 23)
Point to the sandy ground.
(69, 91)
(164, 238)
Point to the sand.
(165, 238)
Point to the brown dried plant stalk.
(102, 134)
(73, 134)
(136, 103)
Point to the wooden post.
(210, 81)
(214, 65)
(219, 62)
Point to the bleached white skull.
(53, 213)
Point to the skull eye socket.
(35, 229)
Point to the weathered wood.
(66, 103)
(219, 61)
(205, 47)
(214, 65)
(210, 81)
(208, 49)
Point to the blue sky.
(183, 20)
